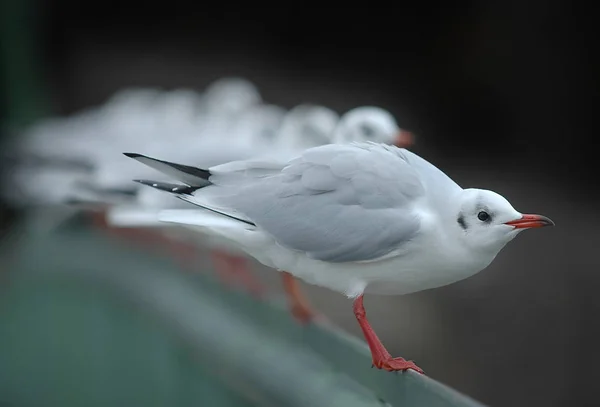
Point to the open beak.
(530, 221)
(404, 139)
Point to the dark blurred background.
(499, 95)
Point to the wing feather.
(335, 203)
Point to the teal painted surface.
(111, 319)
(68, 344)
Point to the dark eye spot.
(483, 216)
(368, 131)
(461, 222)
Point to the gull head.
(368, 123)
(486, 221)
(308, 125)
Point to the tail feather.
(189, 175)
(223, 231)
(205, 217)
(186, 193)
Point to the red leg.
(299, 305)
(234, 270)
(381, 357)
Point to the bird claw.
(397, 364)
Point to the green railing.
(85, 320)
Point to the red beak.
(530, 221)
(404, 139)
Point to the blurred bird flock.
(63, 166)
(78, 160)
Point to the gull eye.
(367, 130)
(483, 216)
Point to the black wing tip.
(187, 170)
(133, 155)
(147, 182)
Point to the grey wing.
(336, 203)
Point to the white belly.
(393, 276)
(413, 270)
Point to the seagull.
(306, 125)
(358, 218)
(371, 123)
(309, 125)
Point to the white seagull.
(359, 218)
